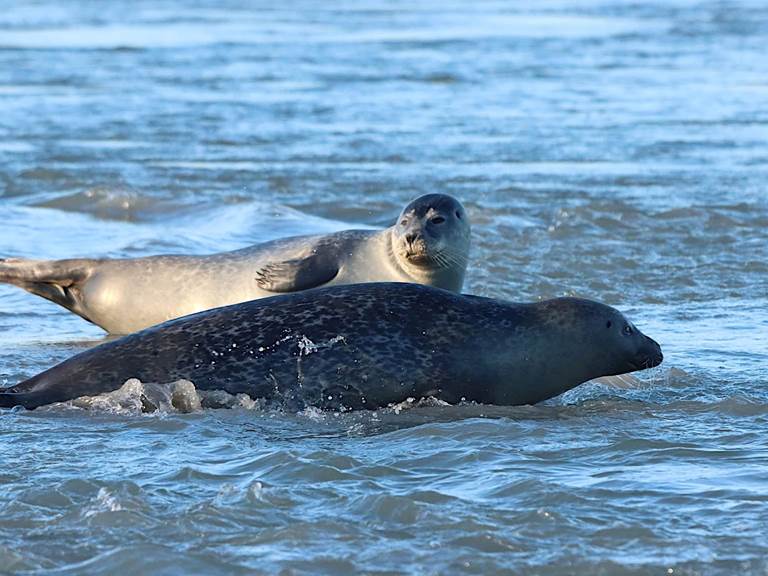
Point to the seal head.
(432, 234)
(615, 347)
(630, 349)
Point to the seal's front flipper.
(298, 274)
(56, 280)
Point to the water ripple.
(608, 150)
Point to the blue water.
(607, 149)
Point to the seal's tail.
(54, 280)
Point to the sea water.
(614, 150)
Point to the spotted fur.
(363, 346)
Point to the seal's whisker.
(440, 260)
(449, 257)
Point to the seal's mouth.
(420, 258)
(417, 252)
(430, 253)
(645, 362)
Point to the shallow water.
(613, 150)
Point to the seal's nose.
(655, 356)
(412, 236)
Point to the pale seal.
(364, 346)
(429, 244)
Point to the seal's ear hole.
(608, 324)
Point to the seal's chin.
(645, 362)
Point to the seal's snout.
(650, 355)
(656, 357)
(412, 237)
(655, 360)
(416, 248)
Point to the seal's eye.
(404, 222)
(608, 324)
(458, 214)
(437, 220)
(627, 331)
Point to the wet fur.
(125, 295)
(358, 346)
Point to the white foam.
(409, 403)
(136, 397)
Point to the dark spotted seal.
(429, 244)
(364, 346)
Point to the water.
(614, 150)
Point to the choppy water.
(614, 150)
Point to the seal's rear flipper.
(56, 280)
(298, 274)
(11, 400)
